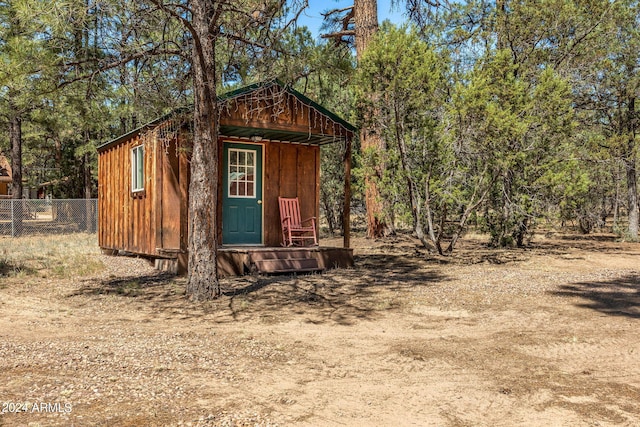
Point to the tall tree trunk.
(203, 195)
(632, 196)
(346, 207)
(88, 189)
(630, 164)
(501, 24)
(412, 187)
(15, 138)
(366, 25)
(616, 200)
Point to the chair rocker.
(295, 231)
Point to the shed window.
(137, 168)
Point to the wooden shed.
(5, 177)
(269, 145)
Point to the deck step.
(287, 265)
(281, 253)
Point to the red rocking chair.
(294, 233)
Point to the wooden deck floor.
(240, 260)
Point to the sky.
(312, 17)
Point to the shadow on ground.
(9, 269)
(163, 292)
(341, 295)
(384, 276)
(615, 297)
(148, 286)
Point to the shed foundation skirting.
(237, 261)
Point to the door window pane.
(241, 173)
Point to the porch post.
(346, 211)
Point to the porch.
(236, 261)
(240, 260)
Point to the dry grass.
(62, 256)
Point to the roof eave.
(234, 94)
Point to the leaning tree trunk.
(412, 187)
(203, 196)
(366, 25)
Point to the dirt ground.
(546, 336)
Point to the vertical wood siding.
(290, 114)
(168, 185)
(291, 170)
(127, 220)
(157, 218)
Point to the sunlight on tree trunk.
(366, 25)
(203, 281)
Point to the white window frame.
(254, 165)
(137, 169)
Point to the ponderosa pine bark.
(366, 26)
(203, 281)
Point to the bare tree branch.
(339, 34)
(114, 64)
(335, 11)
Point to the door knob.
(259, 202)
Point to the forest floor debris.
(547, 335)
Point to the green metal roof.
(278, 135)
(248, 132)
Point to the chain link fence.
(19, 217)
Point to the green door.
(242, 194)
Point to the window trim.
(137, 159)
(230, 181)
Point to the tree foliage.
(502, 114)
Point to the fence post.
(60, 216)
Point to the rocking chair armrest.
(311, 218)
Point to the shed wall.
(154, 222)
(290, 171)
(127, 220)
(278, 110)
